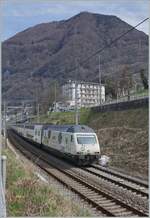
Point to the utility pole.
(76, 104)
(3, 169)
(100, 81)
(76, 84)
(55, 98)
(76, 100)
(2, 191)
(22, 110)
(38, 113)
(5, 127)
(117, 94)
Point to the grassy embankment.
(26, 195)
(140, 93)
(144, 92)
(123, 135)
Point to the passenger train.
(79, 143)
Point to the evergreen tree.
(144, 79)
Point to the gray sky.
(21, 14)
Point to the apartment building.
(88, 93)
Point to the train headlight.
(82, 147)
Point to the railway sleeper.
(144, 197)
(110, 204)
(96, 198)
(82, 186)
(102, 200)
(93, 194)
(124, 213)
(112, 208)
(116, 208)
(83, 190)
(115, 173)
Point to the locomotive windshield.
(87, 139)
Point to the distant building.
(60, 106)
(88, 93)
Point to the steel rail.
(121, 175)
(116, 180)
(84, 183)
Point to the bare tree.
(126, 82)
(111, 87)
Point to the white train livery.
(79, 143)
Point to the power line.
(105, 47)
(113, 41)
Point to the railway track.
(122, 175)
(105, 203)
(136, 186)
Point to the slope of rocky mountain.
(48, 51)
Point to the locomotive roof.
(63, 128)
(70, 128)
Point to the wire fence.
(126, 98)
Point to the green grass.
(65, 117)
(139, 93)
(27, 196)
(133, 118)
(58, 118)
(105, 119)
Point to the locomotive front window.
(86, 140)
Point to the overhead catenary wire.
(109, 44)
(100, 50)
(103, 48)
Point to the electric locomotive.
(78, 143)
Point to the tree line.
(125, 84)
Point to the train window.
(53, 137)
(71, 138)
(60, 137)
(39, 133)
(89, 139)
(49, 134)
(66, 141)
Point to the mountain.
(49, 51)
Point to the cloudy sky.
(18, 15)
